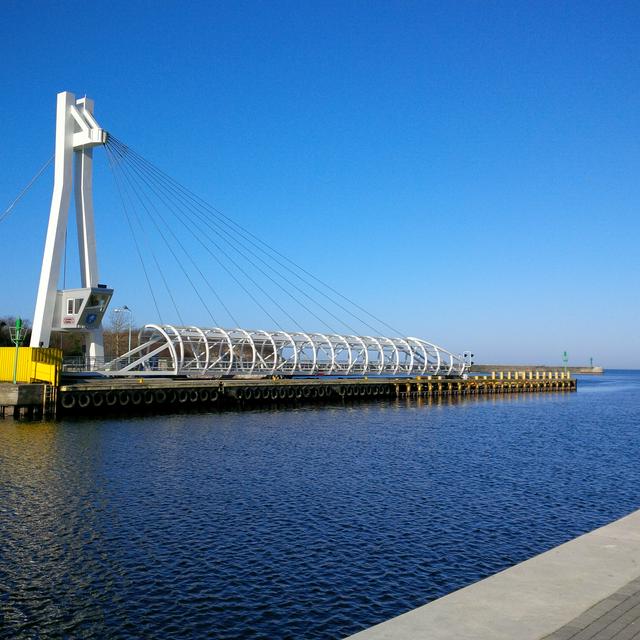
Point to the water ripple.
(311, 523)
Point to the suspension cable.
(255, 240)
(7, 212)
(136, 191)
(151, 251)
(288, 269)
(236, 280)
(161, 179)
(133, 235)
(234, 244)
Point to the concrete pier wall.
(149, 395)
(155, 394)
(33, 400)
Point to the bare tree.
(118, 324)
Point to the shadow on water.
(311, 522)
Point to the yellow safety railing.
(35, 364)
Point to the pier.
(150, 395)
(168, 394)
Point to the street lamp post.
(468, 359)
(125, 308)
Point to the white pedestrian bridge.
(215, 352)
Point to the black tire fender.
(68, 400)
(97, 399)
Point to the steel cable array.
(156, 205)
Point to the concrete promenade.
(587, 588)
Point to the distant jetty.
(488, 368)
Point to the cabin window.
(74, 305)
(97, 301)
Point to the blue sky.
(468, 171)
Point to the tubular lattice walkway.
(214, 352)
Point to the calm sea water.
(309, 523)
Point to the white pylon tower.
(82, 309)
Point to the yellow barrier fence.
(35, 364)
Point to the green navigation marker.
(17, 335)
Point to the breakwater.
(579, 370)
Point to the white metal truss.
(215, 352)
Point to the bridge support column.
(77, 133)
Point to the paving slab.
(617, 617)
(585, 589)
